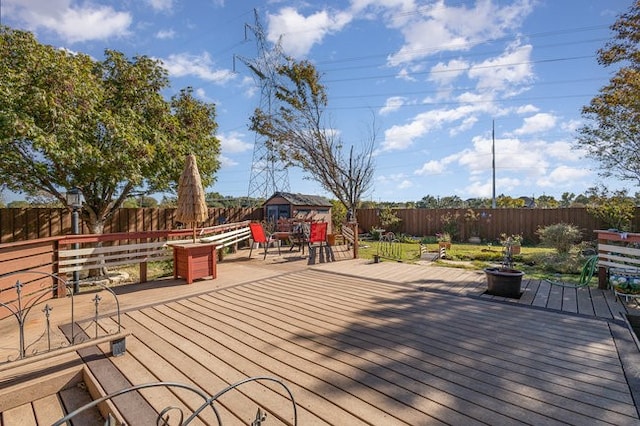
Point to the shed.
(285, 205)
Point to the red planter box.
(194, 260)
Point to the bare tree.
(299, 133)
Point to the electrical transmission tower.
(268, 172)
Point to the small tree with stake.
(297, 130)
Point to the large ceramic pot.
(504, 282)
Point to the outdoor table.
(281, 235)
(194, 260)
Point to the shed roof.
(302, 199)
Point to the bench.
(618, 258)
(120, 252)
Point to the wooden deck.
(378, 344)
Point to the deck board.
(21, 415)
(48, 409)
(387, 343)
(364, 349)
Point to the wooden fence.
(32, 223)
(491, 222)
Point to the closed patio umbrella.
(192, 207)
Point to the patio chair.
(318, 233)
(299, 236)
(258, 235)
(588, 271)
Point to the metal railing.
(389, 247)
(25, 305)
(185, 418)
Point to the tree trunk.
(96, 226)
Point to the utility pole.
(493, 161)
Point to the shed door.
(277, 211)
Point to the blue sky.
(432, 75)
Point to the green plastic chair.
(588, 271)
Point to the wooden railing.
(111, 250)
(349, 233)
(60, 256)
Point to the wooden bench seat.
(618, 257)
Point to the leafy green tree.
(67, 121)
(580, 201)
(613, 137)
(451, 202)
(338, 215)
(567, 199)
(547, 202)
(3, 203)
(616, 210)
(478, 203)
(43, 199)
(143, 201)
(506, 201)
(428, 202)
(299, 132)
(388, 219)
(169, 202)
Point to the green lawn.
(536, 262)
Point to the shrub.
(376, 234)
(428, 239)
(560, 236)
(450, 224)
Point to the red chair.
(259, 236)
(318, 233)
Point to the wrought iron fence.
(389, 247)
(23, 307)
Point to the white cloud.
(202, 94)
(405, 184)
(505, 73)
(300, 33)
(537, 123)
(249, 87)
(232, 142)
(392, 104)
(444, 74)
(403, 136)
(562, 151)
(571, 125)
(73, 23)
(161, 5)
(201, 66)
(526, 109)
(562, 174)
(510, 157)
(432, 167)
(440, 28)
(165, 34)
(227, 162)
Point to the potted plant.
(504, 280)
(626, 284)
(444, 240)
